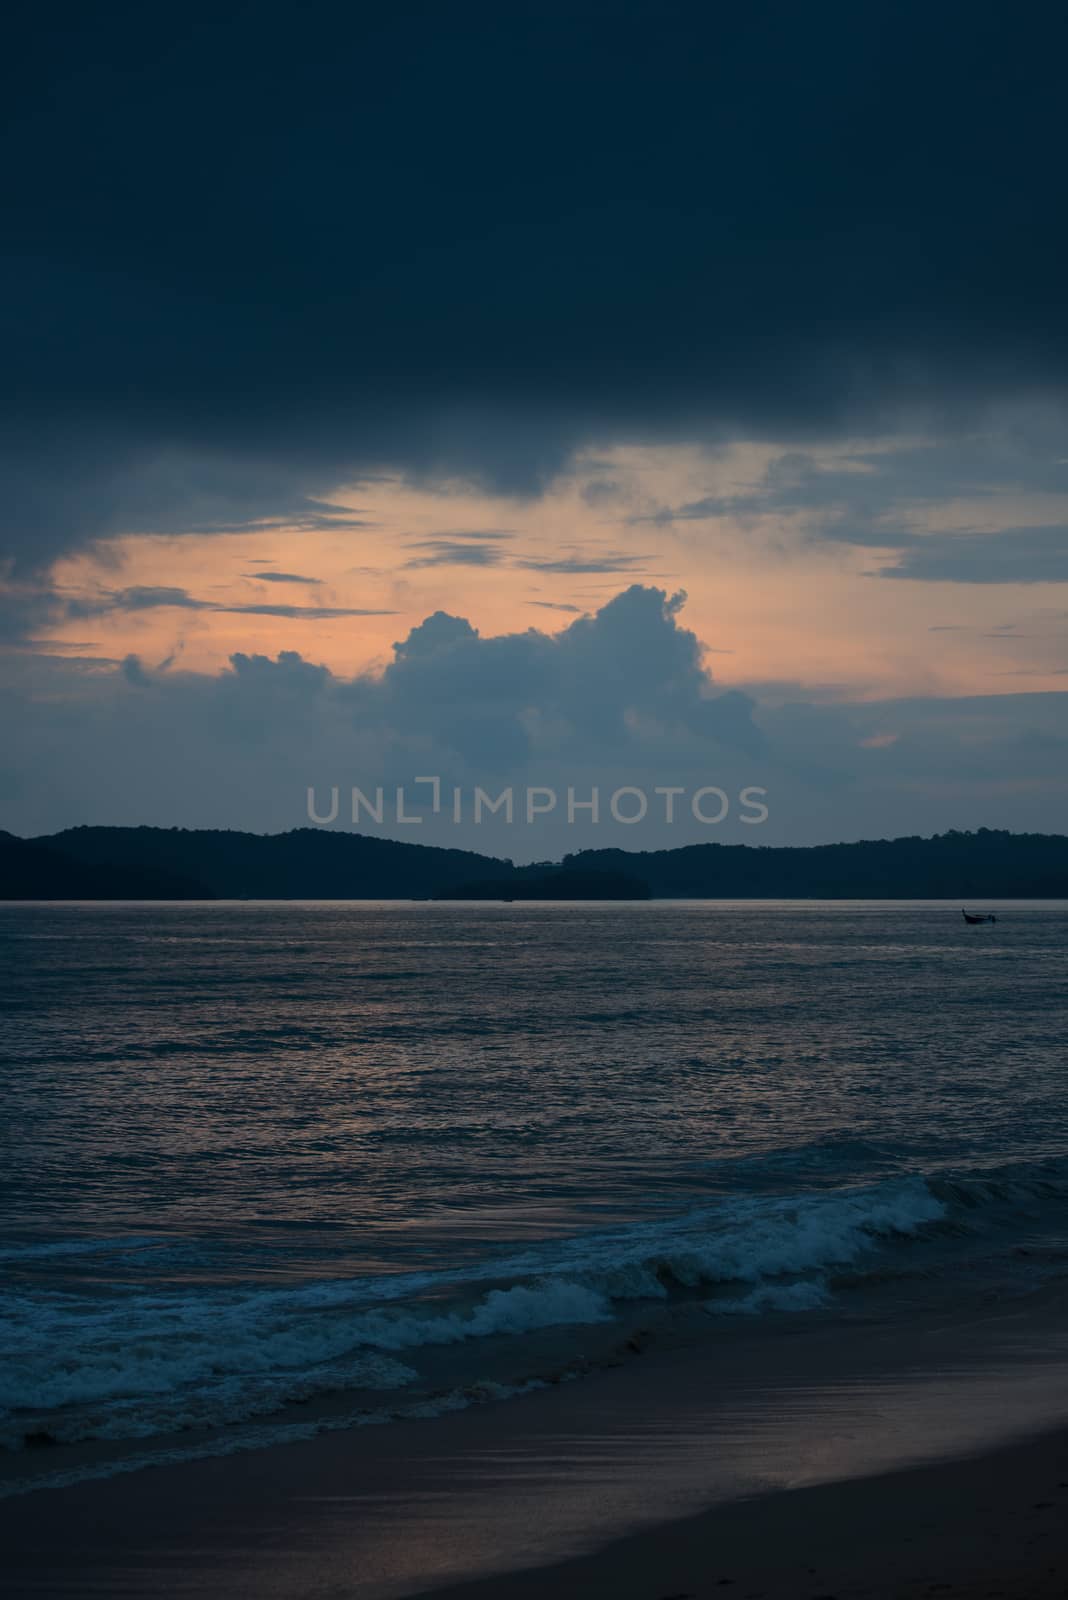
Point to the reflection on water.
(256, 1156)
(377, 1084)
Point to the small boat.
(982, 916)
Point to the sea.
(269, 1169)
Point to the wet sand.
(781, 1464)
(995, 1525)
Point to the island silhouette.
(104, 863)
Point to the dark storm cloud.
(869, 499)
(255, 252)
(854, 495)
(1013, 555)
(25, 608)
(98, 476)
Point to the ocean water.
(271, 1168)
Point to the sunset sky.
(709, 380)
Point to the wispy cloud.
(148, 598)
(611, 561)
(281, 577)
(307, 515)
(459, 547)
(452, 553)
(471, 533)
(856, 496)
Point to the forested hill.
(313, 863)
(306, 864)
(989, 863)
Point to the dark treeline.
(990, 863)
(307, 864)
(34, 870)
(311, 863)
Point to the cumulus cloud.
(618, 697)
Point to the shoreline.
(988, 1525)
(636, 1481)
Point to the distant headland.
(100, 863)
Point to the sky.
(535, 397)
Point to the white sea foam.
(132, 1364)
(211, 1402)
(773, 1297)
(154, 1365)
(743, 1240)
(480, 1392)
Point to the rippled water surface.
(253, 1153)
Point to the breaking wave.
(122, 1363)
(126, 1364)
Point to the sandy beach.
(993, 1526)
(800, 1461)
